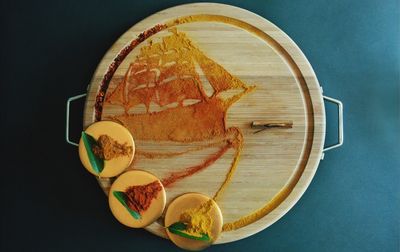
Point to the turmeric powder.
(198, 220)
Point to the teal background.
(49, 51)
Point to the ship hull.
(197, 122)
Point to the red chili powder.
(140, 197)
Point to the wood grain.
(276, 165)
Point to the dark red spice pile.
(140, 197)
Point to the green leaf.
(178, 228)
(121, 197)
(96, 162)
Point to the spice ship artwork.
(182, 97)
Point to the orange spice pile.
(107, 148)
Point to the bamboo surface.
(276, 165)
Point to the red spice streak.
(115, 64)
(173, 177)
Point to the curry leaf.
(121, 197)
(178, 229)
(178, 226)
(96, 162)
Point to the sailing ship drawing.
(183, 96)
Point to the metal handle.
(340, 122)
(67, 120)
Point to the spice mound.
(198, 220)
(139, 197)
(107, 148)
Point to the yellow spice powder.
(198, 220)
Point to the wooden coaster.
(141, 185)
(193, 201)
(117, 132)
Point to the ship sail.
(165, 73)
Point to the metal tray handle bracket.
(71, 99)
(340, 126)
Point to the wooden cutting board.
(273, 167)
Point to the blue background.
(49, 51)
